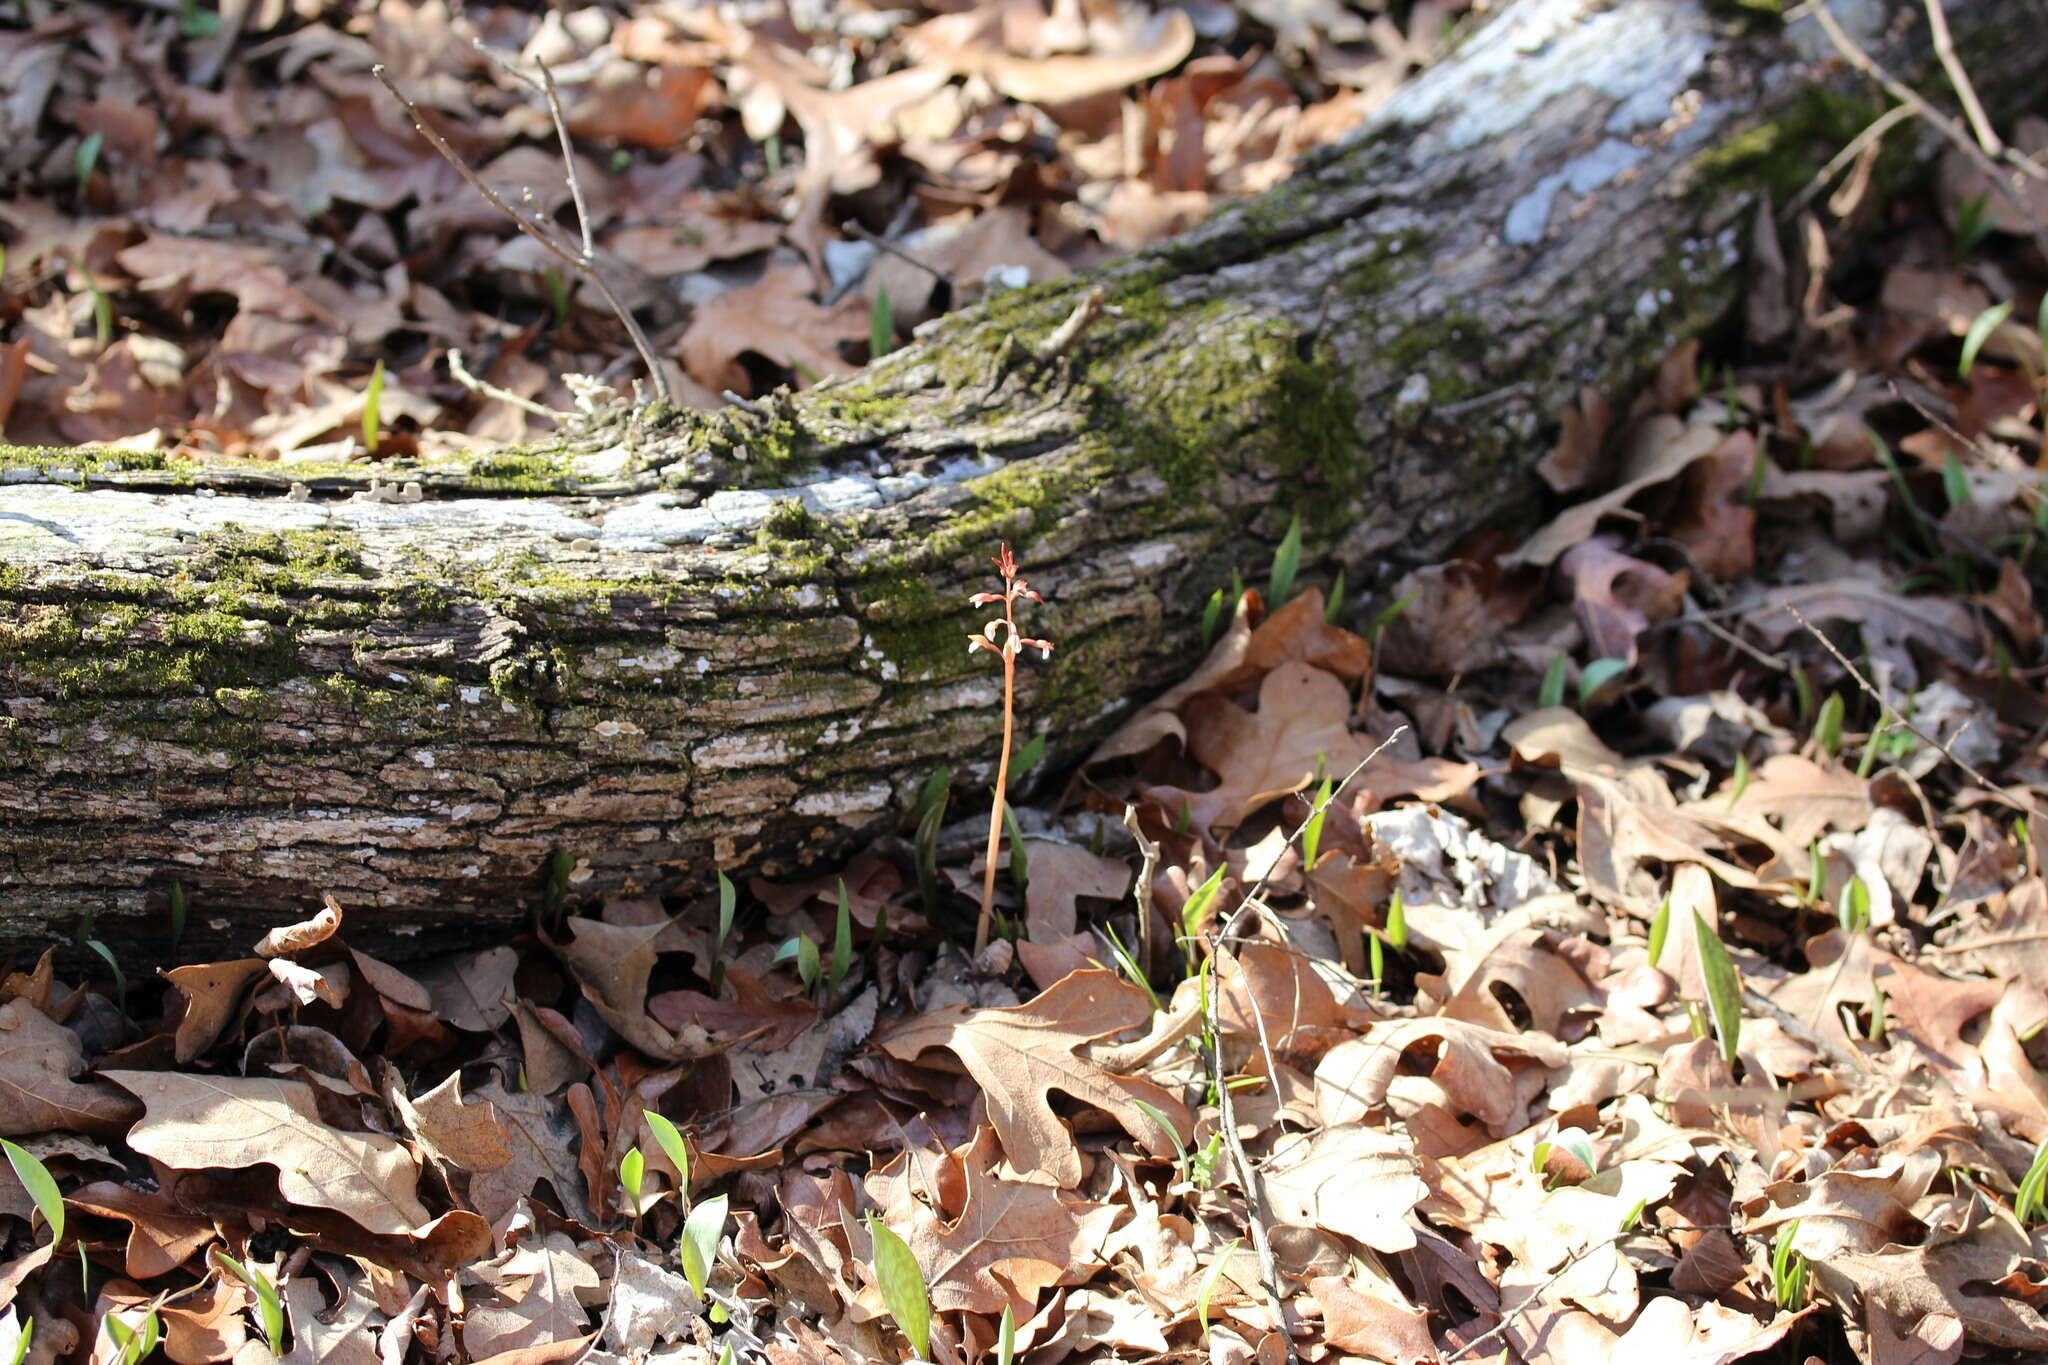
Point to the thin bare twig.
(1874, 130)
(1319, 807)
(1064, 336)
(2025, 165)
(1941, 122)
(887, 247)
(462, 376)
(744, 404)
(1945, 49)
(584, 264)
(2017, 802)
(1247, 1172)
(1248, 1176)
(546, 86)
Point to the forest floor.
(1627, 941)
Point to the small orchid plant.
(1000, 637)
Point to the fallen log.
(678, 641)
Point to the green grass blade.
(1312, 832)
(1552, 692)
(881, 326)
(373, 402)
(842, 943)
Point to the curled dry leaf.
(209, 994)
(762, 1019)
(296, 938)
(1301, 728)
(230, 1122)
(1355, 1181)
(612, 962)
(538, 1299)
(1370, 1317)
(1022, 1053)
(471, 992)
(160, 1239)
(1984, 1275)
(1617, 597)
(777, 320)
(326, 986)
(1659, 449)
(345, 1334)
(998, 1242)
(1845, 1210)
(38, 1062)
(963, 44)
(1889, 622)
(1296, 633)
(539, 1131)
(1475, 1072)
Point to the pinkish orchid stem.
(1012, 644)
(995, 819)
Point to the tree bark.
(681, 641)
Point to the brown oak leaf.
(1022, 1053)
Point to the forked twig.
(546, 85)
(1247, 1172)
(584, 263)
(1064, 336)
(1941, 122)
(889, 248)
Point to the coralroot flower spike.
(1000, 637)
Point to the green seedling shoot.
(670, 1139)
(269, 1305)
(1286, 563)
(901, 1280)
(1724, 988)
(373, 402)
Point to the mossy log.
(678, 641)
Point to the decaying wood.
(686, 641)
